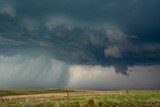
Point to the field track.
(57, 94)
(34, 96)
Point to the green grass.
(10, 92)
(132, 98)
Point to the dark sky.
(80, 35)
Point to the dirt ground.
(35, 96)
(60, 94)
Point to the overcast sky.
(86, 44)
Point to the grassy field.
(82, 98)
(6, 92)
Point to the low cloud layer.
(34, 72)
(98, 77)
(22, 71)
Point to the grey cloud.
(87, 32)
(113, 52)
(30, 24)
(7, 8)
(73, 42)
(26, 71)
(98, 77)
(42, 71)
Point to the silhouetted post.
(127, 92)
(2, 98)
(68, 98)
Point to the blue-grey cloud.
(75, 42)
(87, 32)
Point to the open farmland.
(79, 98)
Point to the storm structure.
(85, 44)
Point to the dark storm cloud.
(93, 32)
(143, 13)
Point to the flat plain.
(78, 98)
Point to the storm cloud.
(51, 34)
